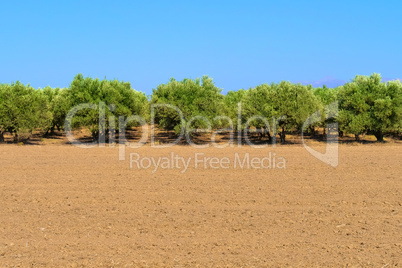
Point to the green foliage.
(366, 105)
(326, 98)
(296, 102)
(231, 101)
(369, 105)
(285, 104)
(59, 105)
(326, 95)
(199, 97)
(120, 100)
(23, 110)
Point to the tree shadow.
(198, 138)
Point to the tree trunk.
(283, 135)
(261, 134)
(357, 137)
(95, 136)
(312, 131)
(52, 130)
(380, 136)
(269, 136)
(1, 136)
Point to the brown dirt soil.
(63, 206)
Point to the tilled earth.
(63, 206)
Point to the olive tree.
(233, 102)
(118, 97)
(196, 99)
(327, 97)
(59, 105)
(286, 105)
(370, 106)
(23, 110)
(258, 109)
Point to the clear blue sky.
(238, 43)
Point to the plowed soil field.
(63, 206)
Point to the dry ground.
(65, 206)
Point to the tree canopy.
(195, 99)
(366, 106)
(369, 105)
(23, 110)
(118, 97)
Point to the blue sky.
(238, 43)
